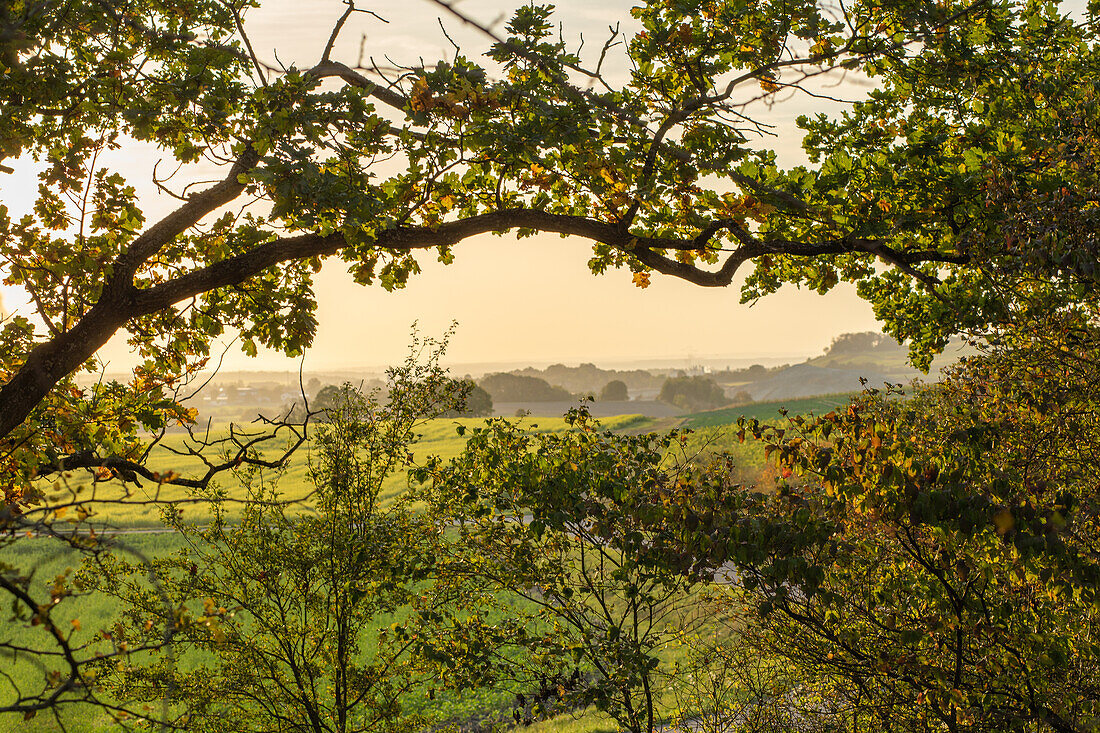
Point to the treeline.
(520, 388)
(589, 378)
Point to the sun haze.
(519, 301)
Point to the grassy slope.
(765, 410)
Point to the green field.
(766, 410)
(45, 559)
(124, 508)
(137, 537)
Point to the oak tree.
(661, 171)
(933, 193)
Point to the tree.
(692, 393)
(332, 398)
(519, 388)
(578, 526)
(614, 391)
(954, 585)
(848, 343)
(295, 604)
(476, 401)
(929, 194)
(619, 166)
(724, 685)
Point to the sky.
(515, 301)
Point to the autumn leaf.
(420, 100)
(641, 279)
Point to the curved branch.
(121, 301)
(328, 68)
(129, 470)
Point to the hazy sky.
(515, 300)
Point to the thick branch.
(243, 266)
(328, 68)
(164, 231)
(53, 360)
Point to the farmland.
(134, 532)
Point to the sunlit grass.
(766, 410)
(140, 507)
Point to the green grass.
(43, 560)
(48, 558)
(588, 721)
(766, 410)
(140, 507)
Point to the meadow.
(139, 507)
(135, 530)
(764, 411)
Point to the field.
(437, 438)
(139, 534)
(766, 410)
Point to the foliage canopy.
(958, 194)
(661, 171)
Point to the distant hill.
(874, 357)
(590, 379)
(871, 351)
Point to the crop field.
(139, 507)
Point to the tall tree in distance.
(615, 391)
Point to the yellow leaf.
(76, 624)
(641, 279)
(420, 98)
